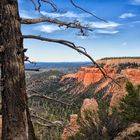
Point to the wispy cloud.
(47, 28)
(127, 15)
(136, 22)
(68, 14)
(24, 14)
(135, 2)
(124, 43)
(103, 25)
(108, 28)
(106, 31)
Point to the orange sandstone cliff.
(88, 75)
(91, 75)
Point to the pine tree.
(130, 105)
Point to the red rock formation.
(126, 134)
(132, 74)
(89, 104)
(91, 75)
(72, 127)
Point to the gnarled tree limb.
(66, 43)
(55, 21)
(73, 46)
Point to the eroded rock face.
(88, 76)
(126, 134)
(89, 105)
(132, 74)
(72, 127)
(92, 75)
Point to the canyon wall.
(91, 76)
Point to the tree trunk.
(15, 114)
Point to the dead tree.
(17, 124)
(15, 115)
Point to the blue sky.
(119, 37)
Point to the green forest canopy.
(124, 57)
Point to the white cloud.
(136, 22)
(68, 14)
(24, 14)
(127, 15)
(136, 2)
(103, 25)
(47, 28)
(124, 43)
(106, 31)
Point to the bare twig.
(37, 69)
(40, 118)
(73, 46)
(39, 4)
(47, 125)
(76, 6)
(26, 58)
(36, 94)
(35, 6)
(44, 125)
(52, 4)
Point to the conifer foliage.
(130, 105)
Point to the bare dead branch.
(36, 94)
(52, 4)
(73, 46)
(39, 5)
(55, 21)
(40, 118)
(26, 58)
(67, 43)
(76, 6)
(82, 48)
(37, 69)
(44, 125)
(48, 123)
(37, 8)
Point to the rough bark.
(15, 115)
